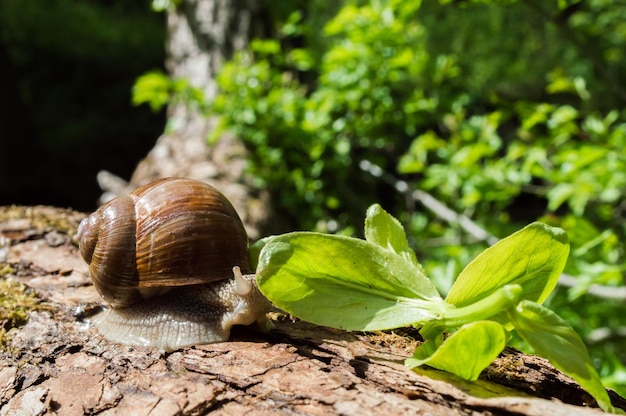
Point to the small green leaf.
(532, 257)
(154, 88)
(384, 230)
(345, 283)
(465, 353)
(559, 194)
(552, 338)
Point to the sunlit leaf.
(533, 257)
(345, 283)
(385, 231)
(465, 353)
(552, 338)
(153, 88)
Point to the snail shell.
(171, 232)
(163, 259)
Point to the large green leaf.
(552, 338)
(532, 257)
(466, 352)
(345, 283)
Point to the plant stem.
(498, 301)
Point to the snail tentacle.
(242, 287)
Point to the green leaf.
(465, 353)
(552, 338)
(265, 46)
(345, 283)
(384, 230)
(560, 193)
(532, 257)
(154, 88)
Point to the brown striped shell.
(170, 232)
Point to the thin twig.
(600, 335)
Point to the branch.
(445, 213)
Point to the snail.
(171, 260)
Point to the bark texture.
(58, 364)
(202, 35)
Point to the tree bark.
(57, 363)
(202, 35)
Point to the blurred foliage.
(311, 117)
(505, 111)
(157, 89)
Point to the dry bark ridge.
(58, 364)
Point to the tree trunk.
(58, 364)
(202, 35)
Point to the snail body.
(171, 259)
